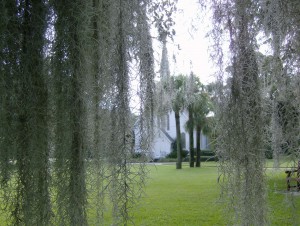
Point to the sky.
(190, 47)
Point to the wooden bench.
(293, 175)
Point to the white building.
(165, 135)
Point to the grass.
(180, 197)
(284, 206)
(191, 197)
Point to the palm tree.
(190, 127)
(198, 105)
(178, 85)
(190, 124)
(201, 108)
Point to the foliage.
(178, 83)
(173, 153)
(65, 71)
(248, 106)
(240, 117)
(199, 105)
(162, 16)
(178, 86)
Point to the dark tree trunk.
(198, 136)
(191, 135)
(178, 141)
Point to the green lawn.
(191, 197)
(181, 197)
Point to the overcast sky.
(190, 46)
(192, 26)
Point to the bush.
(208, 158)
(173, 154)
(202, 159)
(269, 154)
(136, 155)
(167, 160)
(206, 155)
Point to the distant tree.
(191, 89)
(178, 84)
(201, 109)
(190, 127)
(198, 104)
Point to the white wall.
(161, 145)
(183, 120)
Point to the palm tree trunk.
(191, 135)
(178, 140)
(198, 136)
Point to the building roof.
(167, 135)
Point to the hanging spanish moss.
(258, 105)
(281, 25)
(286, 73)
(146, 71)
(66, 133)
(70, 59)
(273, 24)
(31, 196)
(241, 138)
(98, 117)
(120, 169)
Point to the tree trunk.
(191, 135)
(198, 136)
(178, 141)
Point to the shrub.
(167, 160)
(173, 154)
(269, 154)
